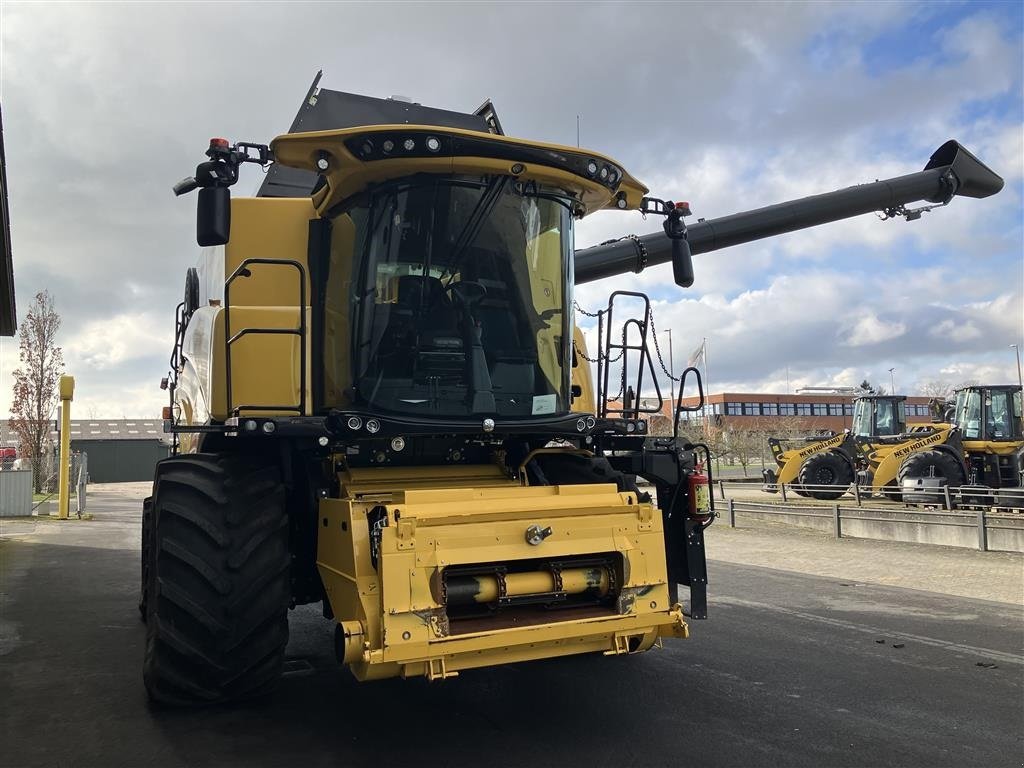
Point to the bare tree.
(936, 388)
(36, 384)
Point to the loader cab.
(879, 416)
(989, 413)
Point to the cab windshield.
(994, 415)
(879, 417)
(968, 414)
(460, 297)
(862, 426)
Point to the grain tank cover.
(326, 110)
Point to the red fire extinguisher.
(700, 493)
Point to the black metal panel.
(8, 318)
(326, 110)
(121, 461)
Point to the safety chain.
(583, 354)
(582, 311)
(661, 362)
(641, 250)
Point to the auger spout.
(951, 171)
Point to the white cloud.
(869, 329)
(766, 106)
(109, 342)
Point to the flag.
(698, 355)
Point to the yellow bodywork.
(885, 460)
(392, 616)
(265, 368)
(347, 174)
(441, 517)
(790, 461)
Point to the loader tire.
(825, 469)
(932, 464)
(218, 585)
(147, 527)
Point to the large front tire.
(825, 469)
(932, 464)
(218, 583)
(147, 531)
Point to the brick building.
(818, 412)
(800, 412)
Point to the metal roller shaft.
(486, 588)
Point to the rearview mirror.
(213, 216)
(682, 263)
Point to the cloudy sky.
(730, 106)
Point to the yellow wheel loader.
(812, 464)
(380, 403)
(983, 448)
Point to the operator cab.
(879, 416)
(460, 296)
(456, 249)
(989, 413)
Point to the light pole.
(1016, 352)
(892, 381)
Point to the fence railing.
(48, 478)
(914, 523)
(945, 496)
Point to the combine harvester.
(379, 403)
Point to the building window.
(733, 409)
(752, 409)
(848, 409)
(716, 409)
(804, 409)
(787, 409)
(770, 409)
(835, 409)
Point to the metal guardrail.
(951, 496)
(982, 520)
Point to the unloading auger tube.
(951, 171)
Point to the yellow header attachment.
(353, 158)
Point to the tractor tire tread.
(219, 584)
(833, 466)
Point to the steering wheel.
(467, 292)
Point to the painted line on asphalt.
(988, 653)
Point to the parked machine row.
(980, 447)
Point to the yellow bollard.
(67, 391)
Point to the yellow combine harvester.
(380, 403)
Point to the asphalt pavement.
(790, 669)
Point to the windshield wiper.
(477, 216)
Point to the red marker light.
(218, 143)
(684, 208)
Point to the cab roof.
(353, 133)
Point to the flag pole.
(707, 387)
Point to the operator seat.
(422, 324)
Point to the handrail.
(605, 347)
(242, 270)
